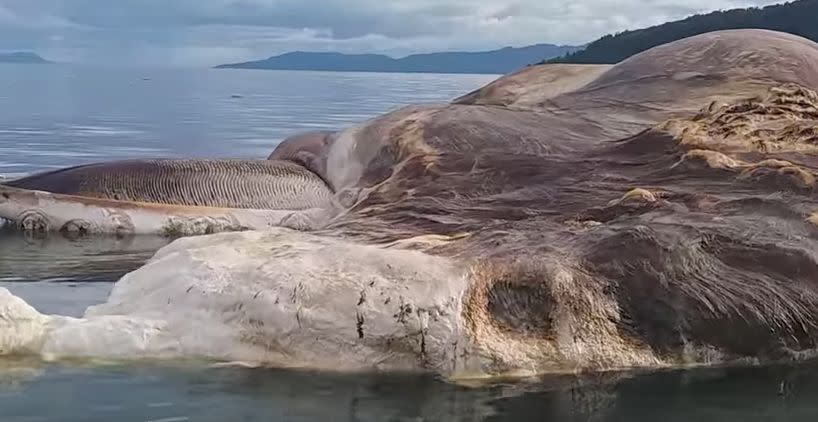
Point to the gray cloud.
(203, 32)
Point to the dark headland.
(21, 57)
(487, 62)
(797, 17)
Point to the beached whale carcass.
(660, 212)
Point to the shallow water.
(192, 392)
(54, 116)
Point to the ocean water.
(53, 116)
(56, 116)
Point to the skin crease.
(308, 149)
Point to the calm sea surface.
(56, 116)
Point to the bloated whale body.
(660, 212)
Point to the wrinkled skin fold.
(658, 212)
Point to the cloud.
(213, 31)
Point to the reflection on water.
(56, 258)
(776, 393)
(192, 392)
(64, 276)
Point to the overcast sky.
(209, 32)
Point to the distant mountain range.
(21, 57)
(797, 17)
(489, 62)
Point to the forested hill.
(494, 62)
(797, 17)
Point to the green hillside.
(797, 17)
